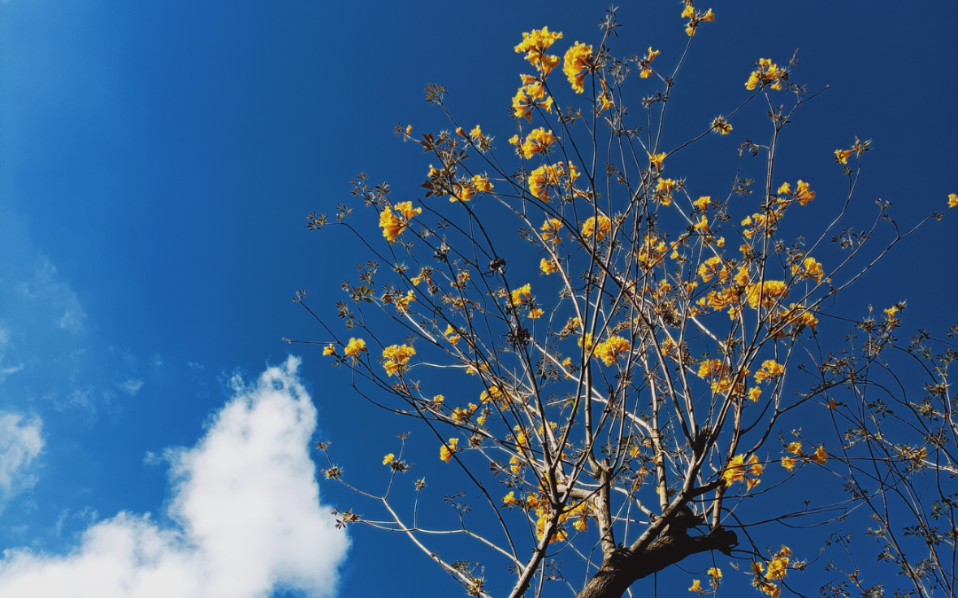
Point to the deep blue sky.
(157, 161)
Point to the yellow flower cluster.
(521, 295)
(532, 94)
(395, 223)
(694, 18)
(776, 570)
(657, 161)
(767, 73)
(548, 266)
(538, 141)
(651, 252)
(721, 126)
(550, 230)
(737, 469)
(953, 200)
(820, 456)
(535, 45)
(770, 369)
(354, 347)
(551, 175)
(664, 189)
(809, 268)
(576, 65)
(598, 227)
(397, 358)
(645, 65)
(611, 349)
(768, 293)
(448, 449)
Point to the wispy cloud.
(46, 286)
(245, 515)
(21, 441)
(131, 386)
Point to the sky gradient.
(157, 162)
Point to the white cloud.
(46, 286)
(131, 386)
(245, 512)
(21, 442)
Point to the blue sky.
(157, 161)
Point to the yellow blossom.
(536, 313)
(795, 448)
(754, 394)
(738, 468)
(841, 156)
(354, 347)
(803, 193)
(820, 456)
(395, 223)
(548, 266)
(510, 500)
(766, 74)
(809, 268)
(770, 369)
(702, 226)
(329, 351)
(389, 459)
(664, 189)
(721, 126)
(575, 65)
(715, 573)
(550, 230)
(397, 358)
(777, 568)
(645, 64)
(611, 349)
(597, 227)
(451, 335)
(953, 200)
(789, 463)
(703, 203)
(768, 293)
(657, 161)
(481, 183)
(521, 295)
(538, 141)
(535, 44)
(447, 450)
(697, 586)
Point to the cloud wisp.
(244, 516)
(21, 441)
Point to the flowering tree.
(628, 355)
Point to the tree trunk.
(627, 566)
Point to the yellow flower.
(535, 44)
(721, 126)
(510, 500)
(841, 156)
(953, 200)
(388, 459)
(576, 64)
(795, 448)
(703, 203)
(476, 133)
(766, 74)
(697, 587)
(597, 227)
(664, 189)
(329, 351)
(754, 394)
(538, 141)
(536, 313)
(820, 456)
(789, 463)
(657, 161)
(548, 266)
(770, 369)
(397, 358)
(737, 469)
(785, 189)
(803, 193)
(702, 226)
(710, 368)
(451, 335)
(395, 223)
(549, 175)
(521, 295)
(550, 230)
(481, 183)
(447, 450)
(777, 568)
(611, 349)
(768, 293)
(355, 347)
(715, 573)
(645, 64)
(809, 268)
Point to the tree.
(638, 357)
